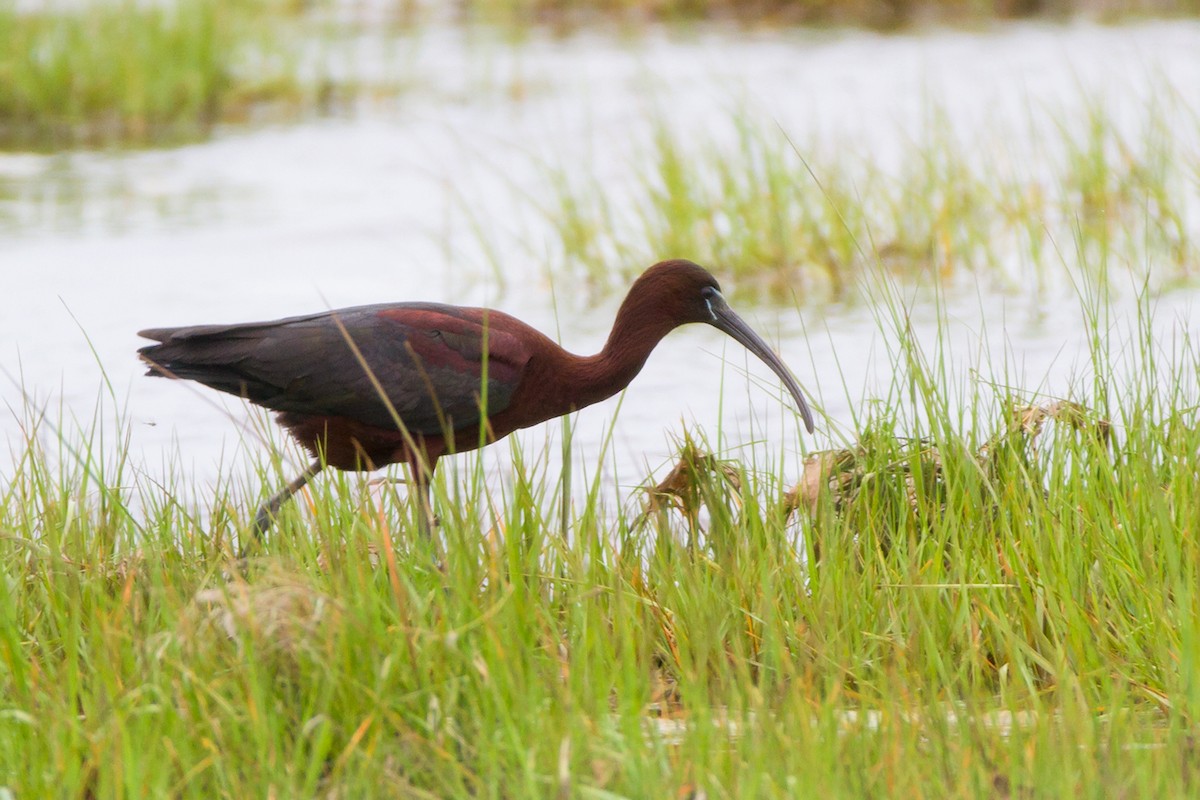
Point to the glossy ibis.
(364, 387)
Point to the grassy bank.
(122, 71)
(986, 595)
(781, 218)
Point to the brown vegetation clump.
(843, 475)
(278, 616)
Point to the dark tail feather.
(211, 360)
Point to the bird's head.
(679, 291)
(685, 292)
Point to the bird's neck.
(639, 327)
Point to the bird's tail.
(211, 355)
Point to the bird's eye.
(709, 293)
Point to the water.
(268, 222)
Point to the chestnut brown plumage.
(364, 387)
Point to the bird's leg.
(267, 511)
(424, 498)
(422, 477)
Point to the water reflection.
(117, 194)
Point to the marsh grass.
(781, 218)
(109, 70)
(105, 72)
(1022, 625)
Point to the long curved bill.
(726, 320)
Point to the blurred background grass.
(104, 72)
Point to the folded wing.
(433, 367)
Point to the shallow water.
(260, 223)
